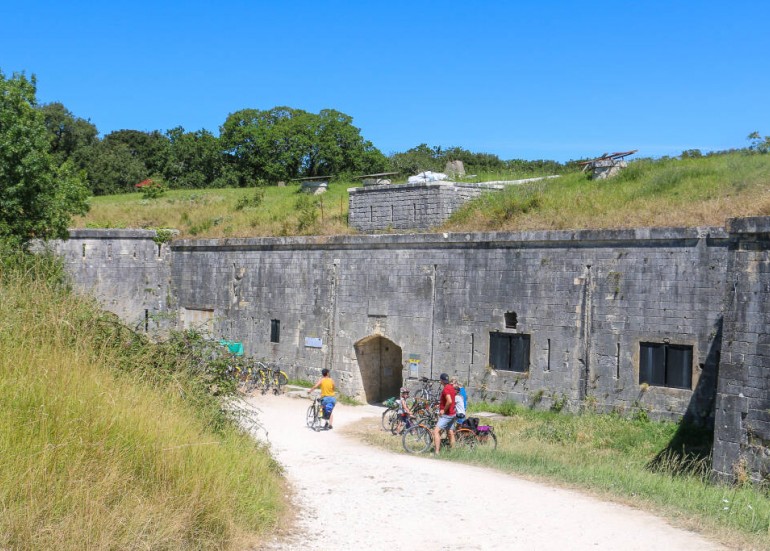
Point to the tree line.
(254, 147)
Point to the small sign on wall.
(313, 342)
(414, 366)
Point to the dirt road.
(353, 496)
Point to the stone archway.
(380, 363)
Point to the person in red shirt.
(446, 410)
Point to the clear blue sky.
(529, 80)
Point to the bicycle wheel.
(387, 418)
(487, 439)
(465, 438)
(282, 378)
(393, 422)
(263, 383)
(310, 416)
(417, 439)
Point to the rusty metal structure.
(607, 165)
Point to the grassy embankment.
(689, 192)
(98, 452)
(632, 461)
(678, 193)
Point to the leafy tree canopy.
(196, 161)
(37, 197)
(68, 134)
(284, 143)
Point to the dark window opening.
(663, 364)
(511, 320)
(509, 351)
(275, 330)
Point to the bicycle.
(430, 390)
(278, 379)
(270, 376)
(419, 438)
(314, 416)
(485, 436)
(390, 415)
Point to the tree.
(37, 198)
(149, 148)
(195, 160)
(112, 168)
(418, 159)
(285, 143)
(758, 143)
(69, 135)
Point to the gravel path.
(352, 496)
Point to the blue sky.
(537, 80)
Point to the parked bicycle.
(419, 438)
(269, 376)
(429, 390)
(390, 415)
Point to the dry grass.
(670, 193)
(95, 459)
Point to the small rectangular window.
(275, 330)
(662, 364)
(509, 351)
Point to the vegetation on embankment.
(702, 191)
(108, 441)
(662, 467)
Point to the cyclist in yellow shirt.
(328, 399)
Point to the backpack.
(472, 423)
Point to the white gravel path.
(352, 496)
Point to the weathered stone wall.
(587, 299)
(126, 270)
(408, 206)
(379, 309)
(742, 428)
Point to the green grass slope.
(99, 458)
(690, 192)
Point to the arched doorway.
(379, 360)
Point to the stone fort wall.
(383, 310)
(408, 206)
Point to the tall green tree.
(285, 143)
(149, 148)
(195, 160)
(69, 135)
(37, 197)
(112, 168)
